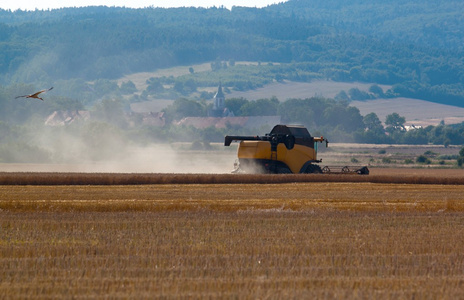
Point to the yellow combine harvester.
(286, 149)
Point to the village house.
(66, 117)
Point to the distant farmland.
(289, 89)
(417, 112)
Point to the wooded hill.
(416, 46)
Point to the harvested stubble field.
(233, 240)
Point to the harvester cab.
(286, 149)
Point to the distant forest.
(415, 45)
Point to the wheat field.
(319, 240)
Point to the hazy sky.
(46, 4)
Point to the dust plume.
(102, 148)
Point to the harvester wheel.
(345, 170)
(313, 169)
(283, 170)
(326, 169)
(363, 171)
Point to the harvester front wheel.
(313, 169)
(345, 170)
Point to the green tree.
(297, 111)
(422, 159)
(415, 137)
(185, 87)
(373, 124)
(102, 87)
(347, 118)
(235, 105)
(395, 122)
(342, 96)
(261, 107)
(155, 85)
(182, 108)
(128, 87)
(377, 91)
(357, 94)
(460, 160)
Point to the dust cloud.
(166, 159)
(106, 151)
(137, 159)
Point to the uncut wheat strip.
(38, 178)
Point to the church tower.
(219, 106)
(219, 100)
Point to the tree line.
(334, 119)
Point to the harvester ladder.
(273, 155)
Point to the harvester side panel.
(297, 157)
(254, 149)
(294, 159)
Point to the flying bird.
(36, 95)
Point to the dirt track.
(400, 176)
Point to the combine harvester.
(285, 150)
